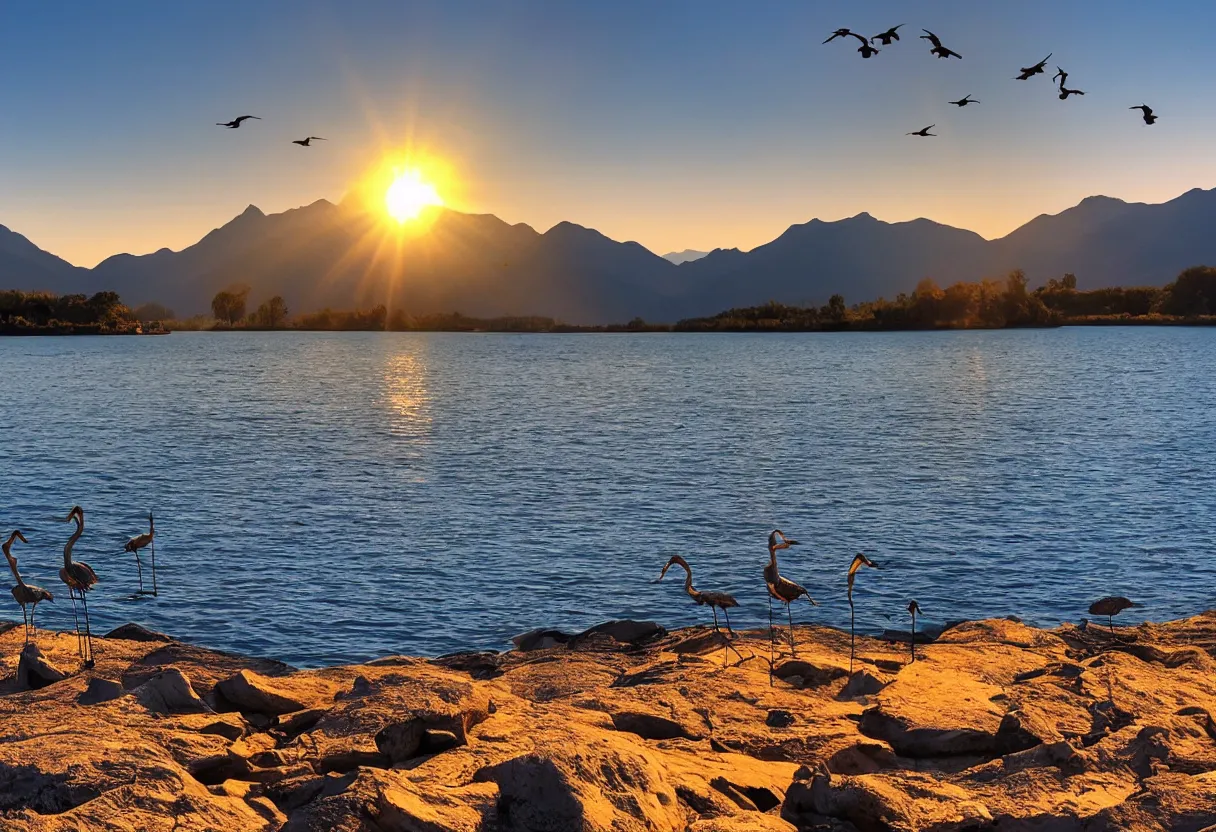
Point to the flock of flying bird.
(80, 579)
(869, 50)
(236, 122)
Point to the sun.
(409, 195)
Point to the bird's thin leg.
(789, 608)
(140, 568)
(153, 567)
(771, 641)
(852, 637)
(728, 629)
(76, 618)
(913, 636)
(88, 633)
(26, 622)
(1110, 619)
(721, 635)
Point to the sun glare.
(409, 195)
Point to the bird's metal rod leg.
(726, 640)
(153, 567)
(772, 637)
(721, 635)
(789, 608)
(140, 569)
(76, 618)
(1110, 619)
(25, 620)
(728, 629)
(852, 637)
(913, 636)
(88, 633)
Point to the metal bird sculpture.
(886, 37)
(859, 561)
(1110, 607)
(783, 589)
(236, 122)
(914, 609)
(714, 600)
(24, 593)
(1030, 71)
(80, 578)
(938, 49)
(1149, 118)
(142, 541)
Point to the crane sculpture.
(140, 542)
(859, 561)
(80, 578)
(24, 593)
(714, 600)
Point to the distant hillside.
(685, 256)
(325, 255)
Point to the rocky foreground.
(996, 726)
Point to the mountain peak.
(255, 211)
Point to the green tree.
(1192, 293)
(272, 314)
(229, 304)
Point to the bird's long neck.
(67, 547)
(151, 526)
(772, 557)
(12, 561)
(688, 579)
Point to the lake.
(330, 497)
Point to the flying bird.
(924, 131)
(1065, 92)
(938, 50)
(715, 600)
(1037, 69)
(304, 142)
(840, 33)
(1149, 118)
(24, 593)
(866, 50)
(236, 122)
(1111, 605)
(142, 541)
(886, 37)
(964, 101)
(859, 561)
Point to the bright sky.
(678, 124)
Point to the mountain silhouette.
(334, 255)
(685, 256)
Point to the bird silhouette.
(714, 600)
(939, 50)
(305, 142)
(1065, 92)
(914, 608)
(1037, 69)
(964, 101)
(236, 122)
(1149, 118)
(24, 593)
(142, 541)
(839, 33)
(866, 49)
(1111, 606)
(924, 131)
(783, 589)
(859, 561)
(886, 37)
(79, 577)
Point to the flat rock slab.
(251, 691)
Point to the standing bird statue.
(964, 101)
(139, 542)
(938, 50)
(924, 131)
(1030, 71)
(783, 589)
(24, 593)
(1110, 607)
(1149, 118)
(914, 608)
(859, 561)
(715, 600)
(305, 142)
(236, 122)
(79, 577)
(886, 37)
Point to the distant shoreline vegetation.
(989, 304)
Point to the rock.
(435, 741)
(169, 692)
(743, 823)
(136, 632)
(652, 727)
(626, 631)
(34, 671)
(480, 664)
(403, 808)
(778, 718)
(223, 728)
(804, 674)
(253, 692)
(863, 683)
(100, 690)
(401, 741)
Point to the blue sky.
(676, 124)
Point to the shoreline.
(996, 725)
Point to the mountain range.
(333, 255)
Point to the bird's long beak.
(791, 542)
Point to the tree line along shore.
(987, 304)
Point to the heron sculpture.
(859, 561)
(142, 541)
(24, 593)
(714, 600)
(80, 578)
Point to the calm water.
(324, 498)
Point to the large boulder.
(169, 692)
(35, 671)
(253, 692)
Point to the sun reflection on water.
(407, 394)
